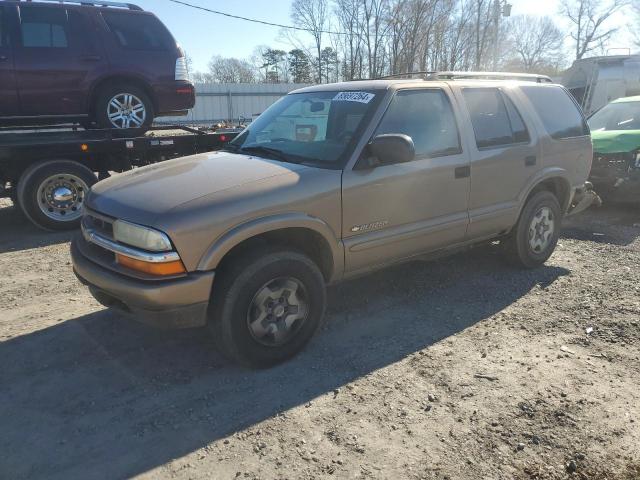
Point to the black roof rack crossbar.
(94, 3)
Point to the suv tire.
(51, 193)
(266, 306)
(535, 236)
(134, 105)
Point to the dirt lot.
(462, 369)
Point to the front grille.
(101, 224)
(613, 164)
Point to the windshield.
(316, 128)
(616, 116)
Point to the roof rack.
(423, 73)
(435, 75)
(530, 77)
(92, 3)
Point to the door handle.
(91, 58)
(530, 160)
(463, 172)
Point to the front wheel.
(266, 306)
(122, 107)
(536, 234)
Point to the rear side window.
(426, 116)
(3, 29)
(43, 27)
(560, 115)
(138, 32)
(496, 121)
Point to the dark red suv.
(99, 63)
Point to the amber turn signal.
(160, 269)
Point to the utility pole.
(500, 9)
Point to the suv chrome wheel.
(541, 230)
(60, 197)
(126, 110)
(277, 311)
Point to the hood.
(143, 194)
(615, 141)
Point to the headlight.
(141, 237)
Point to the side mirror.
(388, 149)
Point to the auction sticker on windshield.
(362, 97)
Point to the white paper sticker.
(362, 97)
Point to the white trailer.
(596, 81)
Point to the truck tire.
(51, 193)
(535, 236)
(266, 306)
(123, 106)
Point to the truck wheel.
(267, 306)
(535, 236)
(51, 193)
(123, 106)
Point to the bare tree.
(536, 41)
(589, 19)
(313, 16)
(230, 70)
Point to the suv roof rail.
(531, 77)
(423, 73)
(93, 3)
(452, 75)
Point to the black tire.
(80, 179)
(235, 290)
(104, 97)
(517, 245)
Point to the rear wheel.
(535, 237)
(51, 194)
(266, 306)
(123, 106)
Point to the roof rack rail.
(93, 3)
(452, 75)
(531, 77)
(423, 73)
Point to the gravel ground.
(462, 368)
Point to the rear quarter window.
(138, 32)
(558, 112)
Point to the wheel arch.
(553, 180)
(310, 235)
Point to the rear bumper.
(174, 97)
(583, 198)
(174, 303)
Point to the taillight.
(182, 72)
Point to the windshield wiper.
(271, 152)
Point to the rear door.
(504, 156)
(8, 92)
(55, 56)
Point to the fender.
(545, 174)
(223, 244)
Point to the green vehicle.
(615, 133)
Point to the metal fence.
(235, 102)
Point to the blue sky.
(204, 34)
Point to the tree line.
(356, 39)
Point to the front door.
(53, 61)
(396, 211)
(8, 92)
